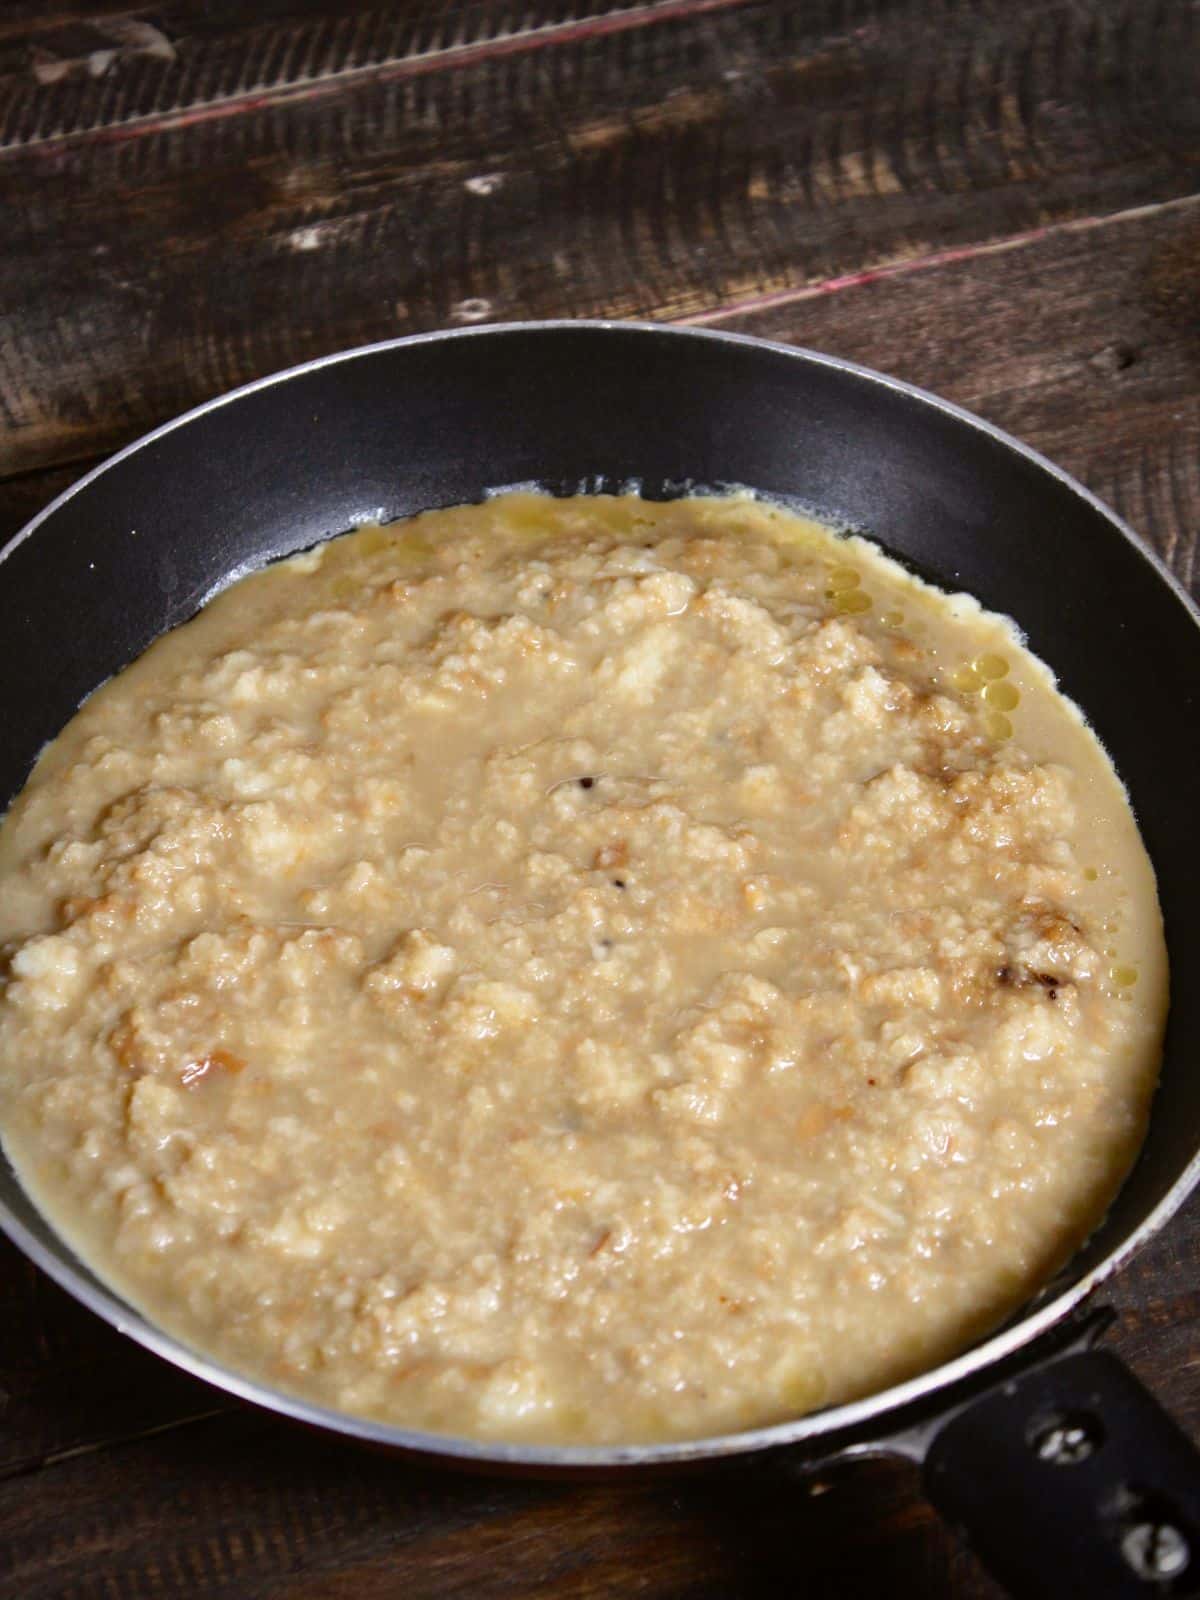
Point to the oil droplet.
(966, 679)
(852, 600)
(1111, 927)
(998, 726)
(1090, 874)
(1001, 696)
(1123, 976)
(892, 619)
(844, 578)
(991, 666)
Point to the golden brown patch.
(107, 909)
(614, 854)
(123, 1042)
(219, 1061)
(819, 1118)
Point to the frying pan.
(1066, 1475)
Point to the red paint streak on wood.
(935, 258)
(558, 34)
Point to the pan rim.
(845, 1419)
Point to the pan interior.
(437, 422)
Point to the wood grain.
(69, 1383)
(1083, 339)
(118, 70)
(705, 155)
(993, 200)
(232, 1507)
(25, 494)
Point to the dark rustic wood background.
(996, 200)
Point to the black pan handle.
(1071, 1480)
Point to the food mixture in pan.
(578, 970)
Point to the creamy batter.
(578, 970)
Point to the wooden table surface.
(998, 201)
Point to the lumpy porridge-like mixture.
(578, 970)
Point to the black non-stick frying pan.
(1065, 1473)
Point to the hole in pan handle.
(1068, 1478)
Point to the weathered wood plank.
(23, 496)
(68, 1382)
(235, 1507)
(1084, 340)
(705, 155)
(103, 66)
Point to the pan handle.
(1070, 1479)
